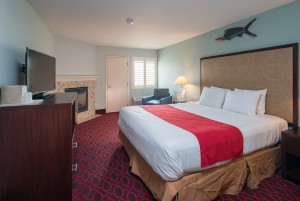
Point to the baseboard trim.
(100, 111)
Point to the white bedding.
(173, 152)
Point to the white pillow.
(261, 107)
(220, 88)
(212, 97)
(241, 102)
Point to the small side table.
(137, 100)
(290, 154)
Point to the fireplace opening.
(82, 97)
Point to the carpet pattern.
(103, 172)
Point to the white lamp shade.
(181, 80)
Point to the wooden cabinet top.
(294, 132)
(58, 98)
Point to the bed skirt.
(229, 178)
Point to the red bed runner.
(218, 141)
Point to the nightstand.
(290, 154)
(137, 100)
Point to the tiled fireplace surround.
(63, 82)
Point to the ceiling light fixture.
(129, 21)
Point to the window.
(144, 72)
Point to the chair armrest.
(166, 100)
(147, 98)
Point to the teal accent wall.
(275, 27)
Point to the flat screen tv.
(39, 73)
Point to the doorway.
(116, 83)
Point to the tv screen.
(40, 72)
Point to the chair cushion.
(161, 93)
(153, 102)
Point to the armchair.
(160, 96)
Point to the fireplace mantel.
(76, 77)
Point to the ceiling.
(157, 23)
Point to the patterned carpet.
(103, 172)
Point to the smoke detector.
(129, 21)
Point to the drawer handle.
(74, 145)
(74, 167)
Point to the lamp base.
(180, 97)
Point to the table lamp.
(181, 80)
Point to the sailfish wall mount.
(237, 31)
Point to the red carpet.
(103, 172)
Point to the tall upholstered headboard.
(273, 68)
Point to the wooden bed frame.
(275, 69)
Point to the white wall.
(78, 58)
(20, 27)
(74, 57)
(101, 53)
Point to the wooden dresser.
(36, 150)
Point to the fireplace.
(63, 82)
(82, 97)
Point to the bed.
(177, 174)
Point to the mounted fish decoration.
(237, 31)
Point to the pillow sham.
(241, 102)
(220, 88)
(212, 97)
(261, 107)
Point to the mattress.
(173, 152)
